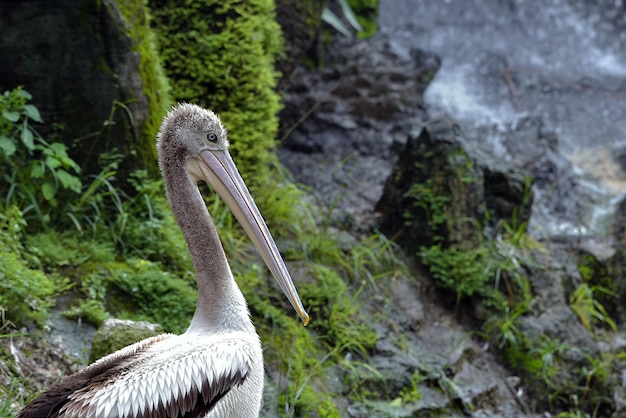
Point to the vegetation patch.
(35, 172)
(26, 293)
(493, 274)
(366, 12)
(143, 291)
(220, 55)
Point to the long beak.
(223, 176)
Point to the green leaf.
(58, 148)
(48, 191)
(7, 146)
(32, 112)
(69, 181)
(11, 116)
(64, 177)
(331, 18)
(23, 93)
(28, 138)
(37, 170)
(68, 162)
(53, 162)
(349, 15)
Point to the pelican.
(215, 368)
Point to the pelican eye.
(211, 137)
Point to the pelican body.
(215, 369)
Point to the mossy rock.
(141, 290)
(149, 98)
(118, 333)
(435, 193)
(601, 267)
(93, 73)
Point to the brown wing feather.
(48, 404)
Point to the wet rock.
(342, 127)
(119, 333)
(519, 117)
(440, 171)
(300, 23)
(618, 228)
(435, 191)
(43, 358)
(427, 364)
(561, 65)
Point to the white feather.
(161, 378)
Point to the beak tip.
(306, 319)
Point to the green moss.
(91, 311)
(220, 55)
(328, 409)
(25, 294)
(467, 273)
(412, 393)
(142, 290)
(54, 249)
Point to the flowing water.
(563, 61)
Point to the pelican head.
(199, 134)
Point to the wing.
(177, 377)
(49, 402)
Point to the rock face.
(560, 64)
(79, 62)
(300, 22)
(342, 127)
(427, 364)
(345, 136)
(435, 191)
(345, 127)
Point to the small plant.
(359, 14)
(588, 309)
(99, 208)
(335, 312)
(504, 326)
(34, 170)
(467, 273)
(549, 351)
(412, 393)
(11, 399)
(431, 203)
